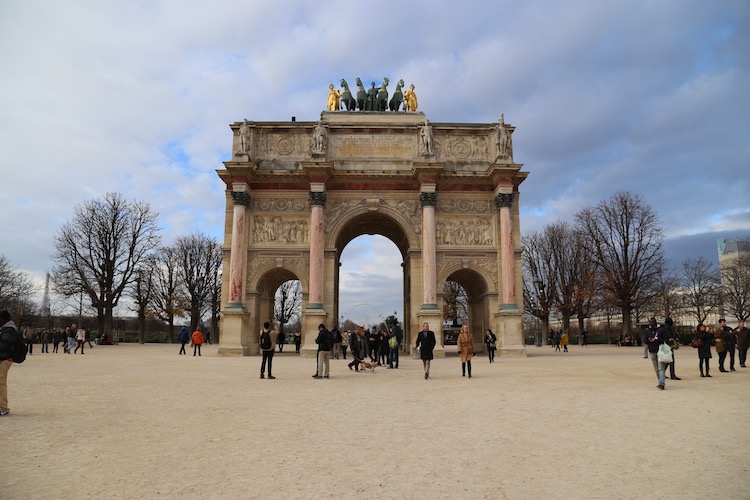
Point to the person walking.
(337, 339)
(564, 340)
(721, 340)
(267, 349)
(674, 344)
(28, 338)
(45, 340)
(490, 340)
(393, 346)
(70, 337)
(426, 345)
(731, 345)
(298, 342)
(743, 342)
(9, 339)
(80, 338)
(183, 338)
(465, 344)
(197, 341)
(358, 345)
(325, 343)
(703, 339)
(346, 336)
(655, 336)
(55, 340)
(281, 340)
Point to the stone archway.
(445, 194)
(480, 298)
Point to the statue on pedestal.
(334, 99)
(410, 99)
(427, 139)
(503, 140)
(319, 140)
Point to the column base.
(233, 351)
(512, 351)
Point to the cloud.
(136, 97)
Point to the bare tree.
(15, 285)
(99, 250)
(200, 260)
(455, 303)
(627, 246)
(167, 301)
(142, 291)
(539, 283)
(700, 283)
(566, 247)
(667, 300)
(735, 286)
(288, 303)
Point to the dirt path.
(132, 421)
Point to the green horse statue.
(383, 96)
(398, 97)
(361, 95)
(346, 97)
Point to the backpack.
(19, 350)
(265, 340)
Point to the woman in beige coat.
(465, 346)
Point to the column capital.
(241, 198)
(428, 199)
(318, 198)
(504, 200)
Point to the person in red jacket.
(197, 341)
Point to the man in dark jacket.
(9, 338)
(743, 341)
(426, 344)
(325, 344)
(183, 338)
(358, 345)
(655, 336)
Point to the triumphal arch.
(446, 194)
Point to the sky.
(136, 97)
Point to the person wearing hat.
(8, 340)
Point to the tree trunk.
(626, 321)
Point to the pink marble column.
(237, 254)
(507, 265)
(317, 232)
(429, 258)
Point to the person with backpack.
(12, 349)
(267, 349)
(325, 344)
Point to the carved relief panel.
(465, 232)
(279, 229)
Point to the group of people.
(726, 340)
(381, 347)
(196, 340)
(72, 338)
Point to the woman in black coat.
(490, 340)
(704, 349)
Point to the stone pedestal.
(236, 339)
(509, 331)
(310, 321)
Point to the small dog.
(367, 365)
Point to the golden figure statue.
(334, 99)
(410, 99)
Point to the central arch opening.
(371, 277)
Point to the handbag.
(664, 354)
(696, 343)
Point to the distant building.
(730, 250)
